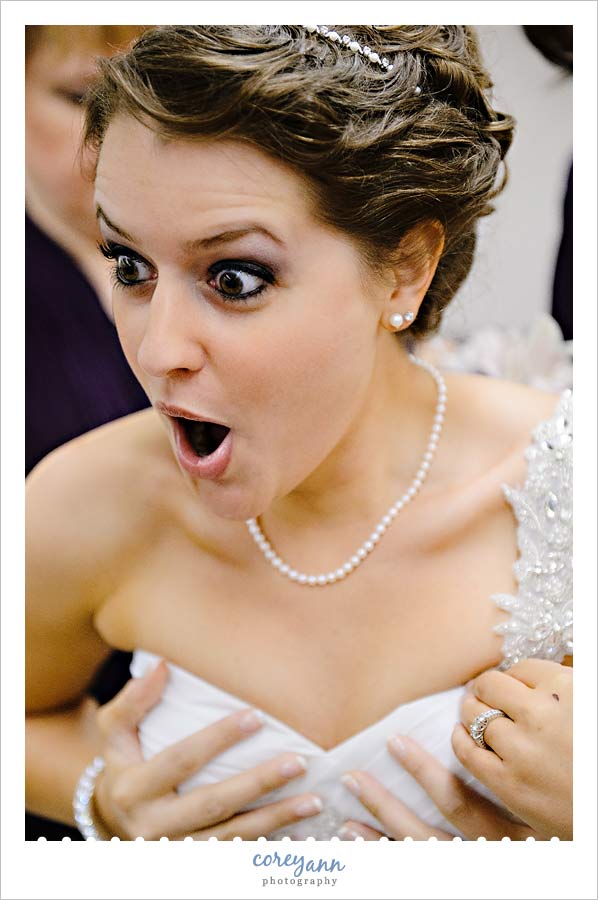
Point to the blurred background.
(512, 278)
(76, 376)
(500, 323)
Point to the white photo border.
(217, 870)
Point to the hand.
(529, 767)
(137, 798)
(535, 780)
(471, 814)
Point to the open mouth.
(204, 437)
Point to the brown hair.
(383, 158)
(67, 38)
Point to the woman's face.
(54, 85)
(239, 309)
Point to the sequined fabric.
(541, 615)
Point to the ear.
(413, 270)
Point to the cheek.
(53, 135)
(130, 325)
(306, 382)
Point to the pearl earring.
(396, 320)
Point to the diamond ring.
(477, 729)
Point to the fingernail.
(398, 746)
(141, 682)
(351, 783)
(150, 672)
(252, 720)
(295, 766)
(347, 834)
(309, 807)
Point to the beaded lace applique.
(541, 622)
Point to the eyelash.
(71, 96)
(114, 251)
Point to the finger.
(117, 720)
(214, 803)
(473, 815)
(534, 672)
(489, 769)
(262, 821)
(499, 732)
(398, 820)
(163, 772)
(351, 830)
(499, 690)
(551, 680)
(132, 703)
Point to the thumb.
(118, 719)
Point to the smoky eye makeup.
(233, 280)
(129, 269)
(239, 280)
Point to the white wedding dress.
(540, 625)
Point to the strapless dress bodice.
(189, 703)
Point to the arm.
(63, 650)
(59, 745)
(81, 530)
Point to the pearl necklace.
(367, 546)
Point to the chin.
(231, 501)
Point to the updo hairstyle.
(384, 153)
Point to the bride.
(309, 525)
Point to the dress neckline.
(192, 680)
(185, 677)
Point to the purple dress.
(76, 375)
(76, 378)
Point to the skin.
(59, 193)
(329, 419)
(260, 367)
(528, 763)
(148, 805)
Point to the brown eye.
(238, 281)
(128, 269)
(231, 283)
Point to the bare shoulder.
(91, 505)
(96, 496)
(510, 410)
(490, 421)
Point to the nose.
(172, 340)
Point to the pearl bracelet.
(82, 800)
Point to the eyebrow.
(199, 243)
(100, 214)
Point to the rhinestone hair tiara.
(343, 40)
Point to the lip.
(208, 467)
(177, 412)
